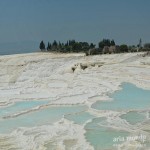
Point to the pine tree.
(42, 46)
(92, 45)
(48, 47)
(112, 43)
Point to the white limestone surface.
(47, 76)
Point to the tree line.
(75, 46)
(69, 46)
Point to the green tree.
(42, 46)
(48, 47)
(104, 42)
(112, 43)
(55, 43)
(123, 48)
(92, 45)
(147, 45)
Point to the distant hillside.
(18, 47)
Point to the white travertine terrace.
(47, 76)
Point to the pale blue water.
(103, 138)
(130, 98)
(40, 117)
(134, 117)
(79, 118)
(20, 106)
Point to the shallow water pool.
(36, 118)
(134, 117)
(79, 118)
(126, 100)
(129, 98)
(102, 137)
(20, 106)
(101, 132)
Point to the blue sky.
(125, 21)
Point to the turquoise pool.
(79, 118)
(102, 137)
(36, 118)
(132, 101)
(20, 106)
(129, 98)
(134, 117)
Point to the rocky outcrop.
(83, 66)
(146, 54)
(111, 49)
(106, 49)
